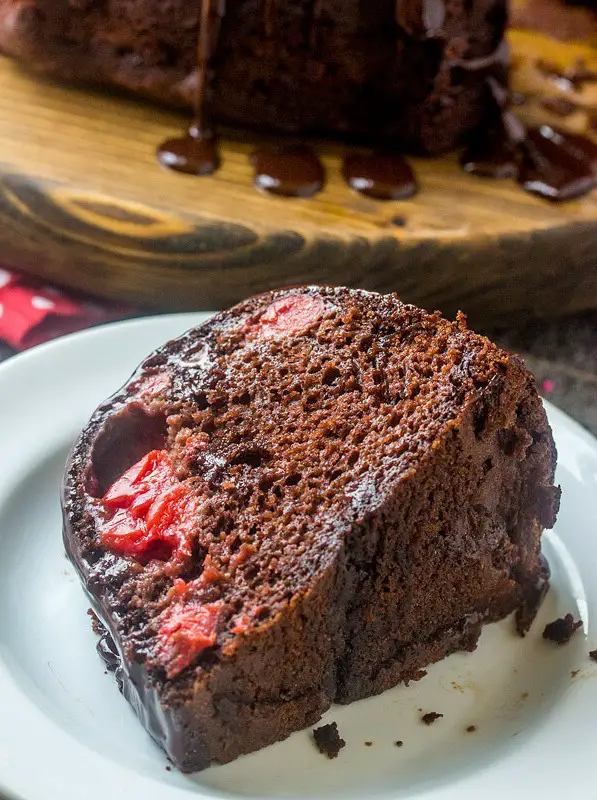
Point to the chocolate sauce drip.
(421, 19)
(549, 163)
(578, 146)
(490, 155)
(378, 175)
(552, 164)
(107, 650)
(290, 171)
(557, 165)
(270, 12)
(197, 152)
(109, 653)
(492, 150)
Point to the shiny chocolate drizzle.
(549, 163)
(288, 171)
(197, 152)
(381, 176)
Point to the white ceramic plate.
(67, 734)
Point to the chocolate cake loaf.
(410, 71)
(305, 500)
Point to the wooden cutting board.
(84, 203)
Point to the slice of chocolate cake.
(306, 500)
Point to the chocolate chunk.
(561, 630)
(328, 740)
(430, 717)
(399, 743)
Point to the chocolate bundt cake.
(305, 500)
(407, 70)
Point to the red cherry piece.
(184, 633)
(122, 534)
(122, 493)
(153, 513)
(166, 507)
(289, 315)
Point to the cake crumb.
(169, 768)
(328, 741)
(430, 717)
(368, 744)
(96, 625)
(471, 729)
(593, 654)
(561, 630)
(399, 743)
(574, 673)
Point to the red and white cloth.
(32, 312)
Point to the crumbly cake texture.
(305, 500)
(328, 740)
(562, 630)
(345, 68)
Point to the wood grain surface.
(83, 202)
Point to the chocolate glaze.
(553, 165)
(491, 151)
(578, 146)
(378, 175)
(137, 687)
(197, 153)
(194, 154)
(490, 156)
(107, 650)
(289, 171)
